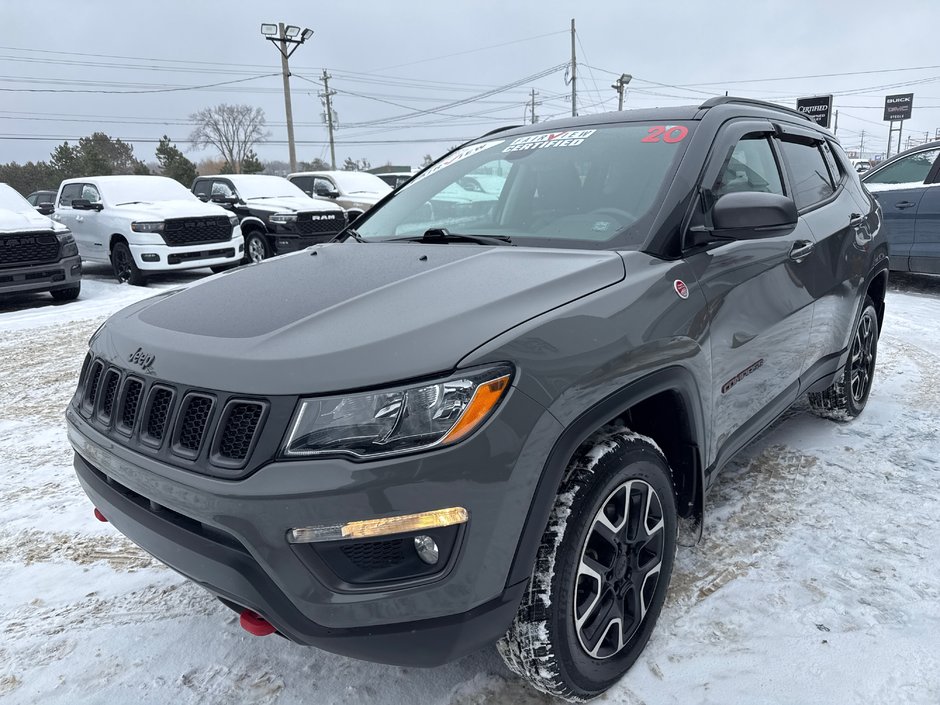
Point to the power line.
(150, 90)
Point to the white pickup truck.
(143, 224)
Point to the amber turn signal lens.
(484, 400)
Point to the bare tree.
(232, 129)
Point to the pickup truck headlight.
(69, 248)
(394, 421)
(283, 218)
(233, 220)
(147, 227)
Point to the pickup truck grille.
(195, 231)
(204, 431)
(320, 223)
(23, 248)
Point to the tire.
(847, 396)
(256, 247)
(565, 639)
(69, 294)
(124, 266)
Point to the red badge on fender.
(681, 289)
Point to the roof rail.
(498, 129)
(724, 99)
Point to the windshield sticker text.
(456, 157)
(568, 138)
(669, 134)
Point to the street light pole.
(619, 85)
(285, 73)
(282, 36)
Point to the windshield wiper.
(443, 235)
(348, 233)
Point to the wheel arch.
(115, 238)
(670, 395)
(876, 290)
(250, 223)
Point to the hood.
(20, 221)
(292, 204)
(347, 315)
(159, 210)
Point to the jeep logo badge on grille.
(141, 359)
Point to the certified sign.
(898, 107)
(818, 108)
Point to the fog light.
(241, 248)
(150, 257)
(427, 549)
(77, 268)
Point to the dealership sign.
(818, 108)
(898, 107)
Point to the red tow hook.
(99, 516)
(254, 623)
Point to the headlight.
(283, 218)
(69, 247)
(142, 227)
(393, 421)
(233, 220)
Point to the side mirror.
(326, 192)
(83, 204)
(224, 200)
(204, 197)
(750, 215)
(46, 208)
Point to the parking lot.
(816, 581)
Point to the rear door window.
(810, 179)
(912, 169)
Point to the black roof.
(747, 106)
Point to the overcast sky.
(399, 58)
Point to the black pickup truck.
(490, 425)
(276, 216)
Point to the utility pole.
(532, 105)
(281, 36)
(574, 74)
(327, 94)
(619, 85)
(835, 129)
(861, 145)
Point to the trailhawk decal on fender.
(568, 138)
(454, 158)
(726, 387)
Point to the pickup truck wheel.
(846, 397)
(602, 570)
(256, 247)
(69, 294)
(125, 269)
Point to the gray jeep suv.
(490, 426)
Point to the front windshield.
(570, 188)
(144, 189)
(260, 186)
(360, 182)
(10, 200)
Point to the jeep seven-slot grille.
(162, 419)
(320, 223)
(195, 231)
(19, 248)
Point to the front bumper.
(209, 254)
(230, 536)
(64, 273)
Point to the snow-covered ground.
(818, 580)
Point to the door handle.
(801, 250)
(856, 220)
(901, 205)
(80, 218)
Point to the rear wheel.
(602, 570)
(847, 396)
(256, 247)
(125, 269)
(69, 294)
